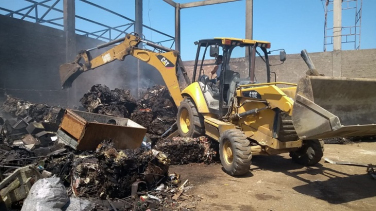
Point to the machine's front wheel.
(235, 152)
(309, 154)
(190, 122)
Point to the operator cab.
(242, 60)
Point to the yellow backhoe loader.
(246, 112)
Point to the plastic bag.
(46, 195)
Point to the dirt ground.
(276, 183)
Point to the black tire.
(235, 152)
(309, 154)
(190, 122)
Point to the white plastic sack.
(46, 195)
(77, 204)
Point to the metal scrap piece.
(371, 171)
(346, 163)
(135, 186)
(180, 190)
(370, 168)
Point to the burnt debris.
(155, 110)
(156, 105)
(100, 99)
(107, 177)
(109, 173)
(183, 150)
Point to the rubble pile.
(29, 126)
(100, 99)
(38, 112)
(182, 150)
(58, 163)
(12, 158)
(111, 173)
(107, 177)
(156, 110)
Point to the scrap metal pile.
(107, 178)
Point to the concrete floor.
(276, 183)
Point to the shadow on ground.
(335, 187)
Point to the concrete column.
(177, 27)
(138, 29)
(337, 63)
(138, 17)
(337, 24)
(70, 44)
(69, 29)
(248, 28)
(249, 19)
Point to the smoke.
(117, 74)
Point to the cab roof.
(232, 41)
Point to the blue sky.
(290, 24)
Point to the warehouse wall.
(30, 56)
(359, 63)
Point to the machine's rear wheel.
(309, 154)
(190, 122)
(235, 152)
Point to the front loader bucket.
(327, 107)
(68, 73)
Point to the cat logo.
(252, 94)
(165, 61)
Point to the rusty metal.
(327, 107)
(90, 129)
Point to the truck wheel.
(309, 154)
(235, 152)
(190, 122)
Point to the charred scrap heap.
(104, 178)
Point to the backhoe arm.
(166, 63)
